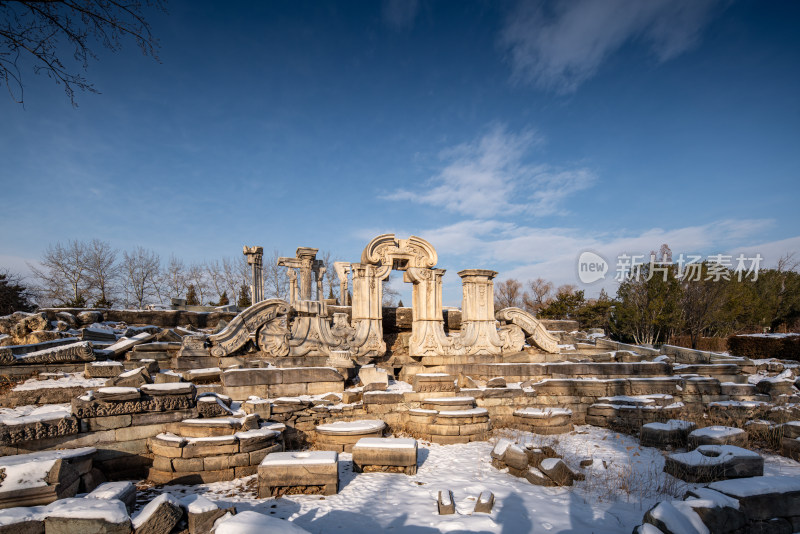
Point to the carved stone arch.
(238, 332)
(400, 254)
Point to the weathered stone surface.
(764, 497)
(485, 503)
(714, 462)
(717, 435)
(90, 317)
(124, 491)
(369, 374)
(445, 503)
(557, 470)
(202, 513)
(497, 382)
(535, 476)
(103, 369)
(97, 408)
(433, 382)
(673, 433)
(38, 429)
(307, 469)
(159, 515)
(718, 512)
(133, 378)
(87, 516)
(515, 457)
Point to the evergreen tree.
(13, 295)
(191, 296)
(223, 299)
(244, 297)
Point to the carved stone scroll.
(78, 352)
(537, 333)
(244, 325)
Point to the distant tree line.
(652, 307)
(95, 274)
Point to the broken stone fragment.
(445, 502)
(557, 470)
(159, 516)
(485, 503)
(497, 382)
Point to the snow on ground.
(612, 499)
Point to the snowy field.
(622, 483)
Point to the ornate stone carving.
(273, 338)
(16, 433)
(77, 352)
(244, 325)
(537, 333)
(400, 254)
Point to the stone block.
(764, 497)
(433, 382)
(280, 470)
(708, 463)
(123, 491)
(717, 435)
(557, 471)
(108, 423)
(515, 457)
(369, 374)
(537, 478)
(159, 515)
(104, 517)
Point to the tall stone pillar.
(427, 326)
(255, 258)
(368, 308)
(342, 271)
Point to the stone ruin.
(99, 397)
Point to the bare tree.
(42, 34)
(331, 279)
(538, 295)
(508, 294)
(236, 273)
(276, 280)
(175, 277)
(196, 276)
(391, 296)
(141, 270)
(216, 278)
(103, 271)
(63, 277)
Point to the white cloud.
(491, 176)
(559, 45)
(528, 252)
(400, 14)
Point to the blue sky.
(511, 135)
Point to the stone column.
(320, 280)
(255, 256)
(478, 301)
(342, 271)
(292, 286)
(307, 257)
